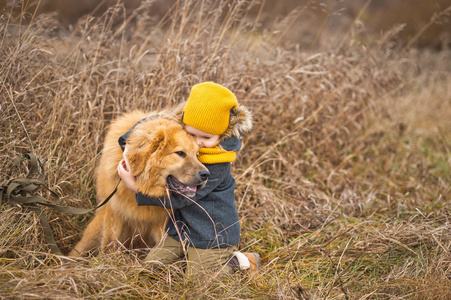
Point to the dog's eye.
(181, 153)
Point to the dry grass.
(343, 186)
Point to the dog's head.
(160, 154)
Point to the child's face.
(203, 139)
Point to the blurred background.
(335, 16)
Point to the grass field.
(343, 186)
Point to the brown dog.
(161, 155)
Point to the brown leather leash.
(20, 191)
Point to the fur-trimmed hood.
(240, 122)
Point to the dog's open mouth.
(176, 185)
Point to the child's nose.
(199, 142)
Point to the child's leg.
(165, 253)
(210, 260)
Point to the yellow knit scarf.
(215, 155)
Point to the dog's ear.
(141, 144)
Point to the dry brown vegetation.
(343, 186)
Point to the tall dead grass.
(343, 186)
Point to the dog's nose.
(204, 175)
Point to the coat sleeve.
(218, 173)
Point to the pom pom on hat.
(208, 108)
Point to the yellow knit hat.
(208, 108)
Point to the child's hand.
(123, 169)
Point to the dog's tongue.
(189, 188)
(192, 188)
(183, 188)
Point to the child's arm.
(219, 174)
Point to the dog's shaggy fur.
(160, 153)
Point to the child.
(205, 229)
